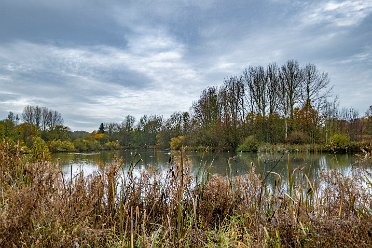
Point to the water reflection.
(222, 163)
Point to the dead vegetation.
(39, 207)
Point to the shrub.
(61, 146)
(298, 137)
(83, 145)
(111, 145)
(250, 144)
(339, 142)
(177, 142)
(39, 151)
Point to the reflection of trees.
(310, 164)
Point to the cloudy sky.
(99, 60)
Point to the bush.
(250, 144)
(39, 151)
(111, 145)
(177, 142)
(339, 142)
(84, 145)
(298, 138)
(81, 145)
(61, 146)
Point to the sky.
(99, 60)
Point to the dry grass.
(39, 208)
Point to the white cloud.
(75, 77)
(337, 13)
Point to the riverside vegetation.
(39, 207)
(287, 107)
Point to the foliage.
(250, 144)
(6, 129)
(39, 150)
(25, 133)
(61, 146)
(59, 132)
(298, 137)
(111, 145)
(99, 136)
(84, 145)
(305, 122)
(339, 142)
(177, 142)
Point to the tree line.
(265, 102)
(271, 104)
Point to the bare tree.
(28, 114)
(232, 109)
(206, 109)
(290, 83)
(56, 119)
(46, 118)
(255, 79)
(37, 115)
(290, 89)
(314, 87)
(128, 123)
(273, 86)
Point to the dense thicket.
(271, 104)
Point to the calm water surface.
(311, 164)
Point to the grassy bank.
(40, 208)
(349, 147)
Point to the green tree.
(39, 150)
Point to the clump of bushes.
(177, 142)
(250, 144)
(339, 143)
(61, 146)
(83, 145)
(111, 145)
(39, 151)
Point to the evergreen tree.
(101, 128)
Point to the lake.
(310, 163)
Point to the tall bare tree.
(273, 86)
(315, 86)
(290, 83)
(255, 79)
(290, 89)
(28, 114)
(206, 109)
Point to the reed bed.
(39, 207)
